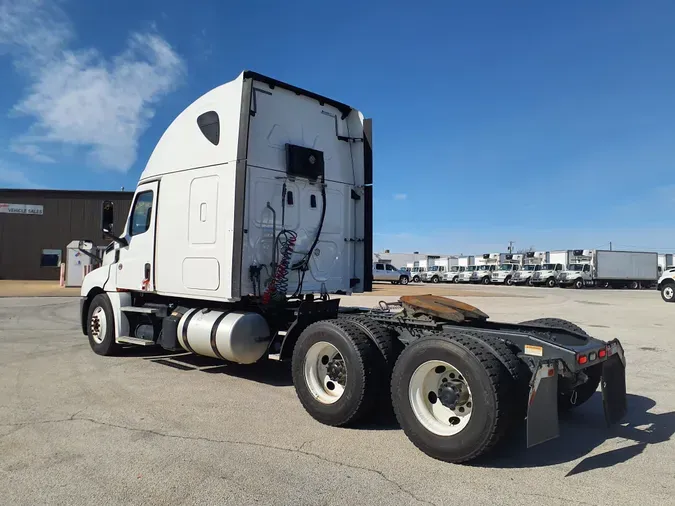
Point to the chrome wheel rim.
(325, 372)
(98, 325)
(668, 292)
(440, 398)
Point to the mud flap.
(542, 409)
(614, 383)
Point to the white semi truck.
(532, 262)
(506, 271)
(253, 213)
(466, 275)
(611, 269)
(452, 276)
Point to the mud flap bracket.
(542, 408)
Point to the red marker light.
(602, 354)
(582, 359)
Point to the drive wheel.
(403, 280)
(451, 397)
(337, 372)
(101, 326)
(578, 283)
(668, 292)
(634, 285)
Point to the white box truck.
(507, 270)
(436, 272)
(665, 262)
(611, 269)
(555, 264)
(532, 263)
(489, 263)
(254, 208)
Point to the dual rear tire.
(452, 395)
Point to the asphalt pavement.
(155, 428)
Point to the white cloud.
(16, 178)
(31, 151)
(75, 96)
(400, 196)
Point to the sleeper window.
(140, 218)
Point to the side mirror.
(108, 223)
(107, 218)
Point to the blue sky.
(549, 124)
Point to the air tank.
(237, 336)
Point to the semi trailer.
(252, 216)
(611, 269)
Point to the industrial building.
(37, 225)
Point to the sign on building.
(21, 209)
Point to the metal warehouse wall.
(67, 216)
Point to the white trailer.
(615, 269)
(466, 261)
(255, 205)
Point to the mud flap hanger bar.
(542, 409)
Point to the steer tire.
(363, 361)
(491, 385)
(550, 282)
(578, 284)
(107, 345)
(584, 391)
(486, 280)
(668, 292)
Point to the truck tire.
(668, 292)
(578, 283)
(486, 280)
(529, 281)
(337, 372)
(416, 279)
(550, 282)
(585, 391)
(101, 326)
(508, 281)
(482, 413)
(634, 285)
(435, 279)
(403, 280)
(455, 279)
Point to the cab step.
(135, 340)
(153, 310)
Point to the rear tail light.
(602, 353)
(582, 359)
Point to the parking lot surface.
(152, 428)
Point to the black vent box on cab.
(304, 162)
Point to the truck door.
(135, 269)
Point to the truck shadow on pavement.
(268, 372)
(582, 431)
